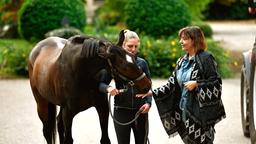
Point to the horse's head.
(123, 65)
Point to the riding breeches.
(139, 126)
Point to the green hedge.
(65, 32)
(111, 13)
(37, 17)
(13, 57)
(206, 28)
(161, 54)
(157, 18)
(223, 58)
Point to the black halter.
(130, 82)
(115, 72)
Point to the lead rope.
(111, 113)
(127, 123)
(147, 131)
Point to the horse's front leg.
(67, 116)
(103, 112)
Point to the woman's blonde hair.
(125, 35)
(196, 35)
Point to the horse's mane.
(90, 45)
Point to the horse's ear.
(120, 39)
(103, 50)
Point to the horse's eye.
(129, 59)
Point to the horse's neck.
(95, 64)
(72, 61)
(77, 57)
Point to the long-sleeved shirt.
(128, 98)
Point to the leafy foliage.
(206, 28)
(13, 57)
(111, 13)
(223, 58)
(37, 17)
(8, 11)
(196, 8)
(157, 18)
(162, 53)
(65, 32)
(8, 18)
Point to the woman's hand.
(144, 95)
(113, 91)
(190, 85)
(145, 108)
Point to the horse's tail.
(51, 123)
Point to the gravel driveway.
(19, 123)
(238, 36)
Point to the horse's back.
(42, 60)
(45, 53)
(51, 46)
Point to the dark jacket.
(204, 107)
(126, 99)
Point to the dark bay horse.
(64, 72)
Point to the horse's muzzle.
(144, 87)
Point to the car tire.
(252, 102)
(244, 104)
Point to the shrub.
(37, 17)
(109, 33)
(14, 56)
(156, 17)
(206, 28)
(197, 7)
(65, 32)
(106, 16)
(111, 13)
(162, 54)
(223, 58)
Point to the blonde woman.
(126, 104)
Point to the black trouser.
(139, 127)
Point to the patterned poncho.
(204, 107)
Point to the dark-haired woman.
(190, 102)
